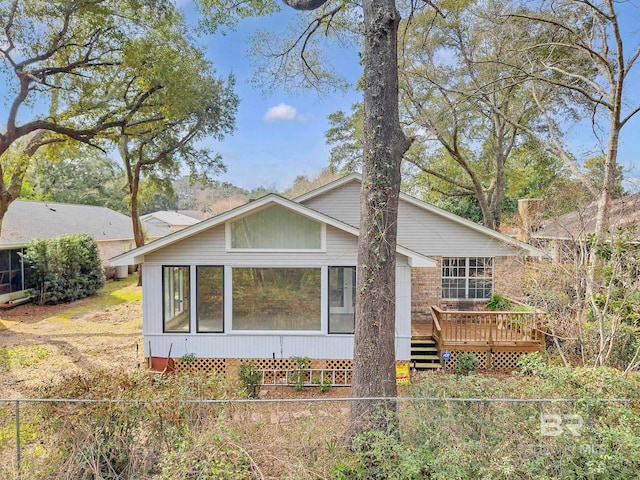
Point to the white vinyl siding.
(420, 230)
(208, 248)
(342, 203)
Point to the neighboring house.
(28, 220)
(166, 221)
(562, 235)
(275, 278)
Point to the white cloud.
(285, 113)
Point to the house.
(167, 222)
(275, 278)
(565, 235)
(28, 220)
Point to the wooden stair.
(424, 353)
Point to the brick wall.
(425, 291)
(426, 288)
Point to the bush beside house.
(64, 268)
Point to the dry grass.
(40, 345)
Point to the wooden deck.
(487, 329)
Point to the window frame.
(353, 299)
(187, 296)
(321, 325)
(230, 248)
(467, 278)
(197, 299)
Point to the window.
(342, 299)
(275, 228)
(276, 299)
(175, 283)
(12, 272)
(210, 299)
(467, 278)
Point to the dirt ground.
(43, 344)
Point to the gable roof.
(27, 220)
(356, 177)
(135, 256)
(169, 218)
(625, 212)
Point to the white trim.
(278, 332)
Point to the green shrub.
(467, 363)
(250, 377)
(498, 302)
(65, 268)
(324, 384)
(298, 376)
(532, 364)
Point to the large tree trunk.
(384, 145)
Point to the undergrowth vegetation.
(170, 434)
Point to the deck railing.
(490, 328)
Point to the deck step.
(424, 349)
(424, 354)
(426, 365)
(423, 358)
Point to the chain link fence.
(307, 438)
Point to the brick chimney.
(530, 210)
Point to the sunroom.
(267, 281)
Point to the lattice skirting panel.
(274, 370)
(483, 357)
(506, 360)
(206, 365)
(503, 360)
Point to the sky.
(279, 135)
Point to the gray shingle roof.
(169, 218)
(625, 212)
(26, 220)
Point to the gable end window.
(467, 278)
(275, 228)
(175, 298)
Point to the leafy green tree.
(50, 53)
(65, 268)
(186, 105)
(464, 110)
(78, 174)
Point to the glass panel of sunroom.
(276, 228)
(210, 298)
(175, 299)
(276, 299)
(342, 299)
